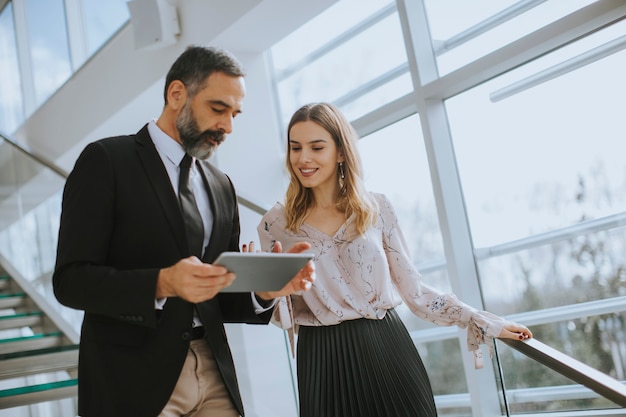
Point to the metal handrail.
(34, 155)
(579, 372)
(63, 173)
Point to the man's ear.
(176, 95)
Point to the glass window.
(538, 149)
(464, 31)
(337, 68)
(49, 49)
(322, 29)
(587, 268)
(102, 20)
(374, 97)
(262, 353)
(395, 164)
(11, 105)
(550, 155)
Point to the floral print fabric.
(362, 276)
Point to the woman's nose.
(305, 157)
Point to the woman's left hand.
(515, 331)
(302, 281)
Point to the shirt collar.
(165, 144)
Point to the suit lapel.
(162, 186)
(221, 225)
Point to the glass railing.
(30, 204)
(583, 323)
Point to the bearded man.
(133, 258)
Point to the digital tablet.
(261, 271)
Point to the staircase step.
(20, 320)
(4, 282)
(15, 397)
(11, 300)
(23, 363)
(27, 343)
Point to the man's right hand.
(192, 280)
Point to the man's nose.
(226, 124)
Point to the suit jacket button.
(186, 335)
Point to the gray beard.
(193, 140)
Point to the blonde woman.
(354, 355)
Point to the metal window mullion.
(486, 25)
(537, 395)
(418, 42)
(535, 318)
(602, 224)
(589, 226)
(386, 115)
(371, 85)
(76, 36)
(22, 40)
(571, 312)
(549, 38)
(451, 211)
(457, 241)
(555, 71)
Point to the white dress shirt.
(171, 153)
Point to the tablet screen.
(261, 271)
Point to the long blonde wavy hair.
(352, 197)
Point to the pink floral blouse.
(362, 276)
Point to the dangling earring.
(342, 175)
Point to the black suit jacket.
(121, 223)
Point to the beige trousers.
(200, 391)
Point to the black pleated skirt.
(362, 368)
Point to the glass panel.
(487, 25)
(11, 109)
(49, 49)
(30, 208)
(102, 20)
(586, 268)
(265, 367)
(395, 164)
(57, 408)
(442, 357)
(322, 29)
(358, 60)
(445, 368)
(377, 97)
(549, 156)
